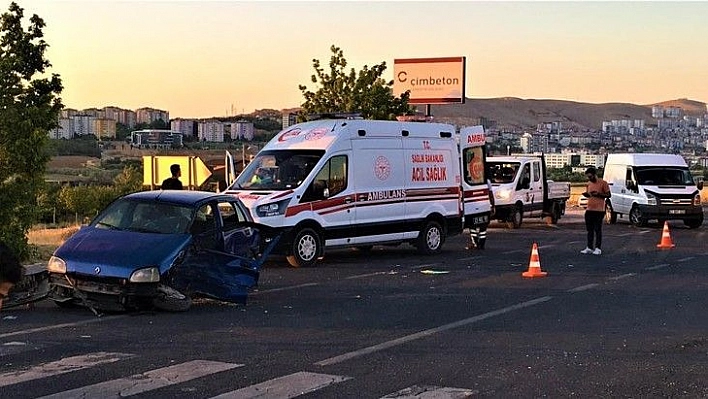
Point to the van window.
(474, 165)
(536, 171)
(278, 170)
(664, 176)
(329, 181)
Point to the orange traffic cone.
(665, 242)
(534, 264)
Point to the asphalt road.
(628, 323)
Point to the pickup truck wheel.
(516, 216)
(555, 214)
(306, 247)
(431, 238)
(610, 215)
(636, 217)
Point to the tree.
(364, 92)
(29, 108)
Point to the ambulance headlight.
(272, 209)
(503, 194)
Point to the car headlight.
(503, 194)
(56, 265)
(651, 199)
(146, 275)
(697, 200)
(273, 209)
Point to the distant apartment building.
(155, 138)
(624, 126)
(68, 112)
(150, 115)
(103, 128)
(123, 116)
(242, 130)
(536, 142)
(289, 119)
(83, 124)
(65, 130)
(185, 126)
(212, 130)
(574, 159)
(658, 112)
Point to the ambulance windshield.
(278, 170)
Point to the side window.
(229, 216)
(330, 180)
(536, 171)
(525, 178)
(474, 165)
(204, 220)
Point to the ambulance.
(358, 183)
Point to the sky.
(201, 59)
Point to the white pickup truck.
(521, 189)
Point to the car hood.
(118, 253)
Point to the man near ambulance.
(597, 192)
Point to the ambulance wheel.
(516, 216)
(306, 247)
(431, 238)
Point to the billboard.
(430, 80)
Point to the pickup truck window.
(501, 172)
(536, 171)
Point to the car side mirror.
(700, 185)
(325, 192)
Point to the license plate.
(480, 219)
(677, 211)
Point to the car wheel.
(693, 223)
(636, 217)
(610, 215)
(171, 300)
(431, 238)
(306, 247)
(516, 217)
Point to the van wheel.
(636, 217)
(610, 215)
(306, 247)
(516, 216)
(693, 223)
(555, 214)
(431, 238)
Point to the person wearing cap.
(173, 183)
(597, 191)
(10, 271)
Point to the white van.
(652, 186)
(335, 183)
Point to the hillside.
(520, 113)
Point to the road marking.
(657, 267)
(57, 326)
(546, 246)
(431, 392)
(616, 278)
(516, 251)
(686, 259)
(288, 386)
(424, 266)
(365, 275)
(292, 287)
(645, 231)
(154, 379)
(429, 332)
(583, 287)
(65, 365)
(470, 258)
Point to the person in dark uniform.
(173, 183)
(10, 271)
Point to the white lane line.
(657, 267)
(424, 266)
(365, 275)
(65, 365)
(583, 287)
(645, 231)
(57, 326)
(429, 332)
(292, 287)
(546, 246)
(686, 259)
(289, 386)
(616, 278)
(154, 379)
(574, 242)
(516, 251)
(431, 392)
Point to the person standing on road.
(173, 183)
(478, 234)
(10, 271)
(597, 191)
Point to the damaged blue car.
(161, 249)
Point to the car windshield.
(278, 170)
(144, 217)
(502, 172)
(664, 176)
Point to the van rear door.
(475, 191)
